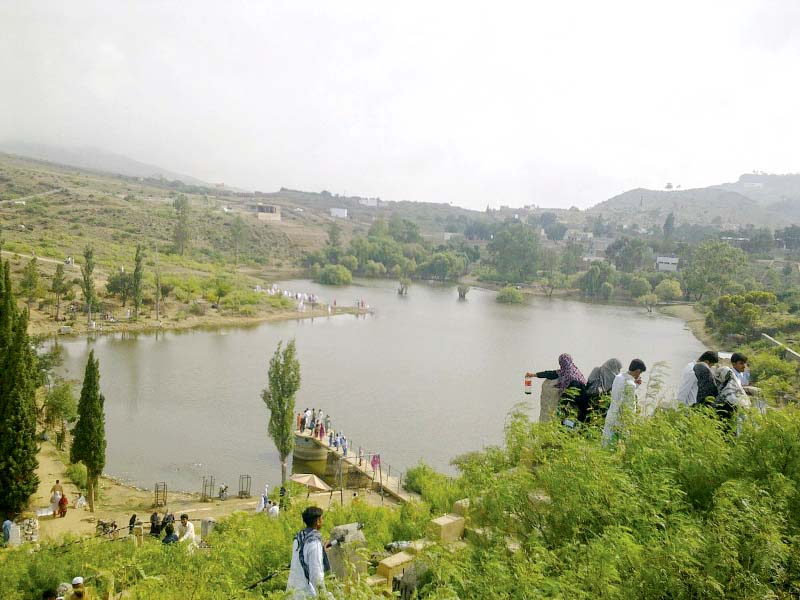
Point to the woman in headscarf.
(571, 385)
(599, 383)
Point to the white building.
(372, 202)
(339, 213)
(666, 263)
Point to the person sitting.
(571, 386)
(731, 394)
(155, 524)
(599, 384)
(170, 537)
(740, 368)
(697, 381)
(273, 510)
(62, 506)
(186, 529)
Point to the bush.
(76, 473)
(335, 275)
(639, 286)
(510, 295)
(197, 308)
(668, 290)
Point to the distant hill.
(95, 159)
(757, 199)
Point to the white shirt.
(273, 511)
(687, 391)
(623, 394)
(298, 583)
(186, 532)
(743, 377)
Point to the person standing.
(131, 524)
(309, 560)
(697, 380)
(273, 510)
(623, 397)
(571, 385)
(7, 525)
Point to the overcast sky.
(550, 103)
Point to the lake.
(425, 377)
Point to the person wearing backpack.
(309, 560)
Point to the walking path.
(391, 484)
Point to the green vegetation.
(510, 295)
(284, 381)
(89, 443)
(679, 509)
(335, 275)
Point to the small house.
(339, 213)
(667, 263)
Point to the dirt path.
(119, 502)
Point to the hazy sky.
(475, 103)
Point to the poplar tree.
(137, 280)
(284, 381)
(59, 286)
(87, 280)
(18, 447)
(182, 234)
(89, 435)
(30, 281)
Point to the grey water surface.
(425, 377)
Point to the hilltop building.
(339, 213)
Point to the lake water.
(426, 377)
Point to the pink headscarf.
(568, 372)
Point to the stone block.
(448, 528)
(418, 546)
(377, 581)
(394, 565)
(461, 507)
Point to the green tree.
(283, 383)
(60, 405)
(591, 283)
(556, 231)
(181, 234)
(87, 281)
(639, 287)
(89, 435)
(571, 258)
(669, 226)
(59, 286)
(712, 267)
(120, 283)
(648, 301)
(669, 289)
(739, 314)
(629, 254)
(30, 281)
(515, 252)
(509, 295)
(136, 283)
(335, 275)
(18, 448)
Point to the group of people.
(319, 424)
(77, 590)
(183, 532)
(703, 383)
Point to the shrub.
(510, 295)
(669, 289)
(335, 275)
(77, 475)
(197, 309)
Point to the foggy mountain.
(758, 199)
(95, 159)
